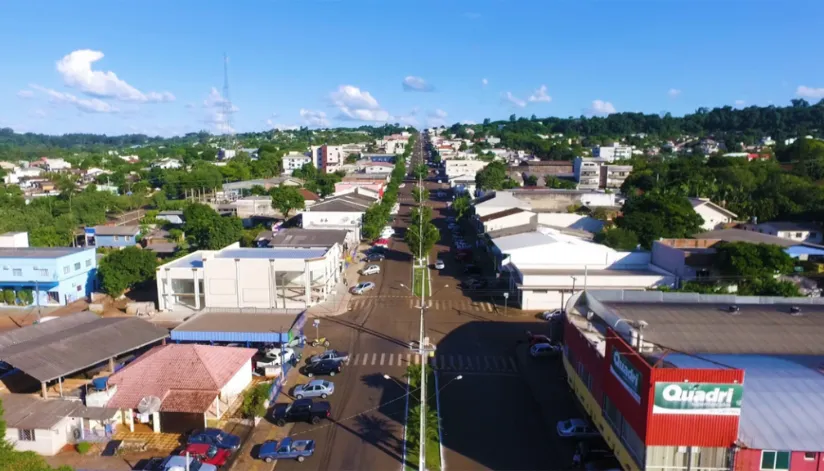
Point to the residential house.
(339, 212)
(714, 216)
(112, 236)
(309, 198)
(295, 160)
(55, 275)
(795, 248)
(171, 216)
(795, 231)
(256, 205)
(194, 386)
(463, 184)
(167, 164)
(226, 154)
(55, 165)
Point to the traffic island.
(432, 424)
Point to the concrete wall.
(334, 220)
(70, 277)
(46, 443)
(577, 256)
(571, 221)
(513, 220)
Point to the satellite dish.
(149, 405)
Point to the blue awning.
(239, 327)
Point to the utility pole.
(423, 392)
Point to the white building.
(56, 165)
(714, 216)
(506, 219)
(339, 212)
(796, 231)
(235, 277)
(497, 202)
(544, 267)
(613, 152)
(378, 168)
(295, 160)
(395, 144)
(14, 177)
(597, 173)
(463, 184)
(457, 167)
(167, 164)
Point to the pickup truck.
(287, 449)
(332, 355)
(273, 357)
(301, 410)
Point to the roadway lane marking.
(392, 359)
(514, 366)
(382, 358)
(374, 357)
(355, 361)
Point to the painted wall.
(71, 277)
(238, 383)
(750, 460)
(46, 443)
(712, 218)
(114, 241)
(634, 409)
(513, 220)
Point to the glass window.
(43, 272)
(89, 262)
(798, 235)
(779, 460)
(25, 435)
(77, 266)
(116, 238)
(17, 271)
(809, 455)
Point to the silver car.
(315, 388)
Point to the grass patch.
(420, 281)
(413, 431)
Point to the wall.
(513, 220)
(577, 256)
(334, 220)
(634, 410)
(47, 443)
(55, 278)
(114, 241)
(750, 460)
(598, 281)
(672, 260)
(712, 218)
(571, 221)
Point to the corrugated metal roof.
(116, 230)
(23, 411)
(235, 327)
(783, 404)
(60, 324)
(272, 253)
(48, 354)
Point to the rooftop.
(237, 326)
(696, 202)
(116, 230)
(294, 237)
(73, 343)
(791, 226)
(41, 252)
(272, 253)
(501, 214)
(740, 235)
(23, 411)
(186, 377)
(193, 260)
(350, 202)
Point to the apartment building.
(293, 161)
(612, 153)
(597, 173)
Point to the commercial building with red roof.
(193, 384)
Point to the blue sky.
(150, 66)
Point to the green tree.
(492, 177)
(374, 219)
(257, 190)
(421, 238)
(123, 269)
(750, 261)
(287, 198)
(9, 296)
(461, 206)
(352, 158)
(207, 230)
(420, 194)
(652, 216)
(618, 239)
(530, 180)
(420, 171)
(308, 172)
(554, 182)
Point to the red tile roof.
(308, 195)
(186, 378)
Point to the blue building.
(112, 236)
(56, 276)
(387, 158)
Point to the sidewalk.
(338, 303)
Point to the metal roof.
(273, 253)
(76, 343)
(116, 230)
(294, 237)
(193, 260)
(23, 411)
(741, 235)
(349, 202)
(783, 404)
(235, 327)
(40, 252)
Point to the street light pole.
(423, 391)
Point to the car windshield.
(325, 384)
(211, 452)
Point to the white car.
(439, 265)
(276, 357)
(402, 185)
(371, 270)
(549, 315)
(362, 288)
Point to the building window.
(88, 263)
(43, 272)
(775, 459)
(809, 455)
(813, 235)
(17, 271)
(25, 435)
(798, 235)
(77, 266)
(116, 238)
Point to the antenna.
(227, 103)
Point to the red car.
(208, 454)
(381, 243)
(537, 338)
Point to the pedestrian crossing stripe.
(414, 303)
(442, 362)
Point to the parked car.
(208, 454)
(315, 388)
(152, 464)
(544, 350)
(381, 243)
(299, 450)
(362, 288)
(276, 357)
(174, 463)
(215, 436)
(549, 315)
(326, 367)
(402, 185)
(302, 410)
(471, 268)
(375, 257)
(330, 355)
(439, 265)
(535, 339)
(576, 428)
(371, 270)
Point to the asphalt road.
(490, 405)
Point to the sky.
(157, 66)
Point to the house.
(171, 216)
(457, 167)
(373, 183)
(339, 212)
(234, 277)
(54, 276)
(234, 190)
(190, 386)
(613, 152)
(498, 201)
(256, 205)
(167, 164)
(795, 231)
(295, 160)
(378, 168)
(463, 184)
(46, 426)
(112, 236)
(505, 219)
(305, 238)
(55, 165)
(714, 216)
(328, 159)
(309, 198)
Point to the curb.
(440, 423)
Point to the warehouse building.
(681, 381)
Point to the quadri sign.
(627, 374)
(698, 398)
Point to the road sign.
(316, 322)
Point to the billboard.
(698, 398)
(627, 374)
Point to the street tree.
(420, 171)
(287, 198)
(208, 230)
(492, 177)
(461, 206)
(124, 269)
(420, 194)
(421, 238)
(618, 239)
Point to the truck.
(290, 449)
(301, 410)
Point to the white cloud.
(357, 105)
(88, 105)
(38, 113)
(513, 100)
(219, 122)
(484, 82)
(809, 92)
(416, 84)
(540, 95)
(600, 108)
(216, 100)
(673, 92)
(314, 118)
(25, 93)
(740, 102)
(76, 70)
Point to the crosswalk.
(459, 363)
(432, 305)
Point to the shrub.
(9, 297)
(83, 447)
(254, 401)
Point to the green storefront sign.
(627, 374)
(698, 398)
